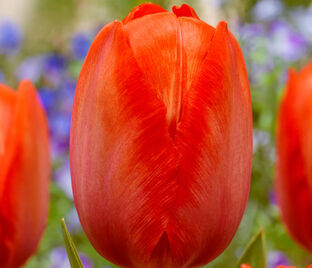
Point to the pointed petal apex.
(143, 10)
(222, 26)
(184, 11)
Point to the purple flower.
(273, 198)
(266, 10)
(62, 179)
(59, 124)
(276, 258)
(31, 68)
(302, 18)
(73, 222)
(80, 45)
(251, 30)
(260, 139)
(285, 42)
(11, 37)
(59, 259)
(2, 80)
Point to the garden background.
(46, 41)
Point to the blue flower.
(48, 98)
(80, 44)
(66, 94)
(11, 38)
(59, 124)
(54, 68)
(60, 127)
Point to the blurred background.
(46, 41)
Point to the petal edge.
(184, 11)
(143, 10)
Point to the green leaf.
(255, 253)
(72, 253)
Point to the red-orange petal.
(245, 265)
(143, 10)
(293, 168)
(24, 203)
(184, 11)
(214, 106)
(7, 104)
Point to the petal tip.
(222, 25)
(143, 10)
(26, 85)
(184, 11)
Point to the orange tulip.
(294, 157)
(161, 139)
(24, 174)
(245, 265)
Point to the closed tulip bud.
(24, 174)
(294, 156)
(161, 139)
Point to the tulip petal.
(164, 71)
(28, 179)
(167, 72)
(293, 162)
(7, 103)
(143, 10)
(215, 141)
(303, 99)
(126, 119)
(184, 11)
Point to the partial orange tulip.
(24, 173)
(245, 265)
(294, 156)
(161, 139)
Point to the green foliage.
(255, 252)
(72, 253)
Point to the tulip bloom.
(161, 139)
(24, 173)
(245, 265)
(294, 157)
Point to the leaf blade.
(71, 250)
(255, 252)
